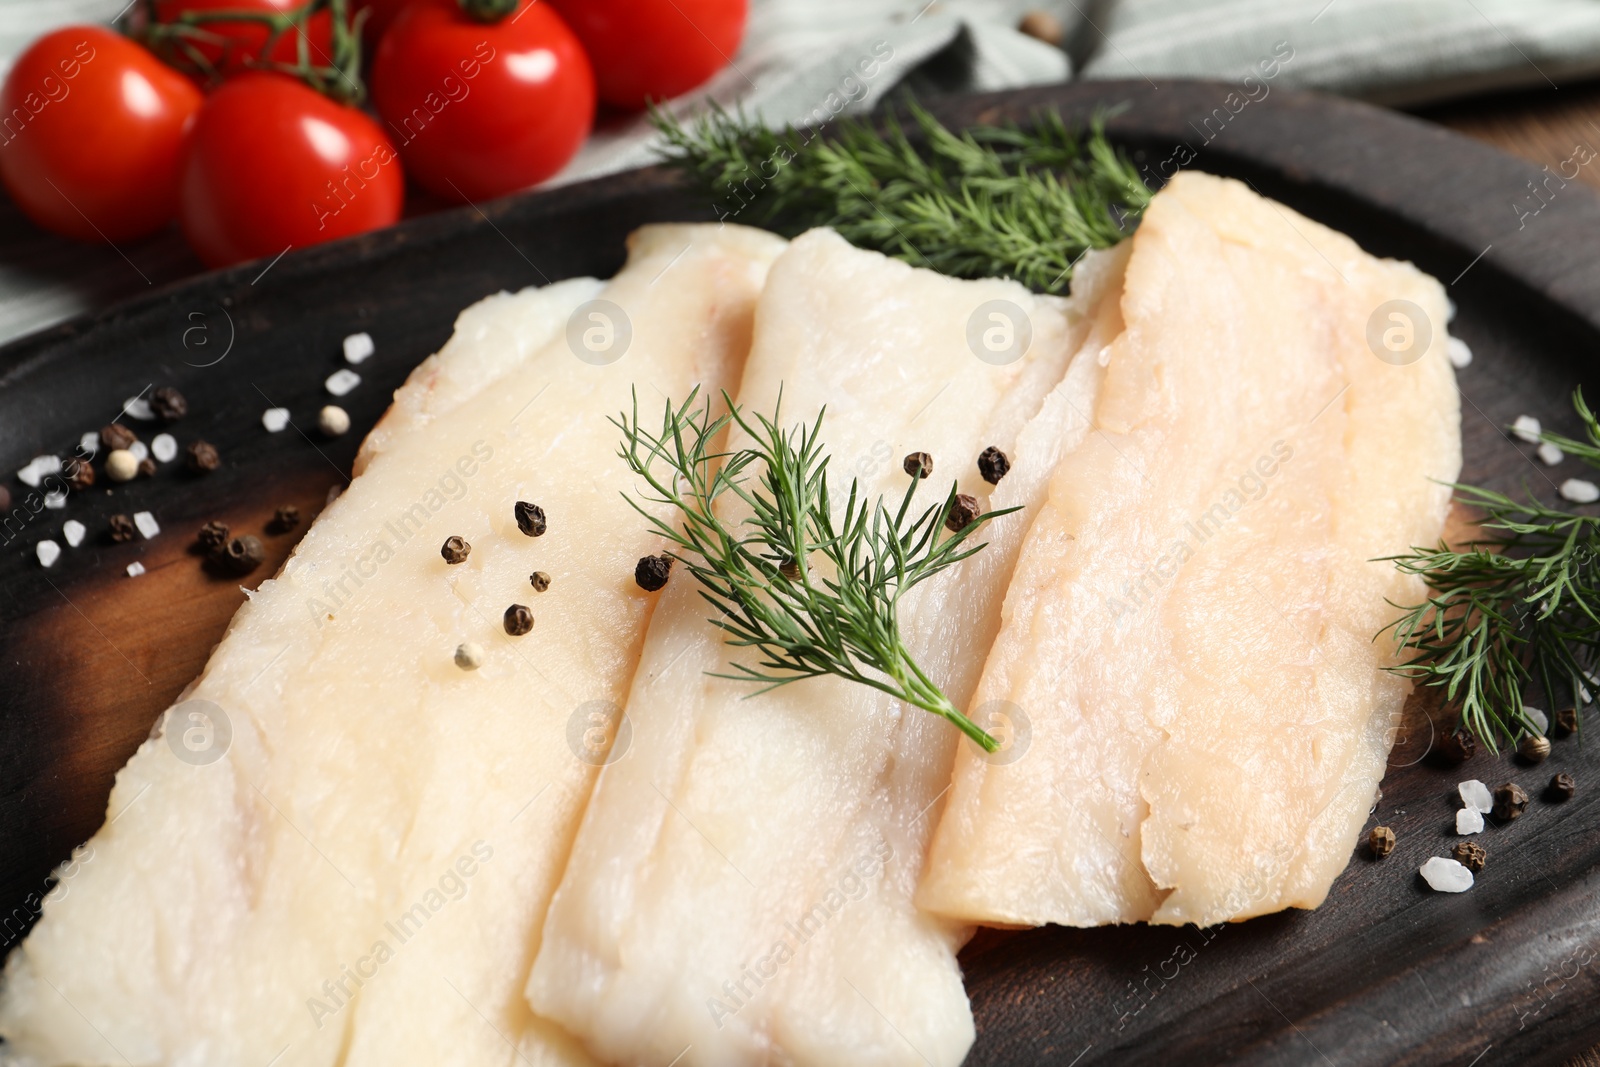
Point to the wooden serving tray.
(1386, 972)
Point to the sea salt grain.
(146, 523)
(1446, 876)
(140, 451)
(275, 419)
(1460, 355)
(1476, 795)
(89, 443)
(342, 381)
(357, 347)
(1469, 821)
(1527, 427)
(1551, 454)
(36, 470)
(137, 407)
(164, 447)
(73, 531)
(1579, 491)
(48, 552)
(55, 501)
(1449, 310)
(136, 568)
(1538, 718)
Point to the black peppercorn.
(213, 536)
(530, 518)
(1470, 855)
(1510, 801)
(651, 572)
(993, 464)
(964, 511)
(122, 528)
(539, 580)
(202, 457)
(455, 550)
(242, 554)
(1381, 841)
(790, 569)
(1458, 746)
(519, 620)
(115, 436)
(147, 467)
(1566, 723)
(918, 465)
(168, 405)
(1561, 788)
(284, 519)
(78, 472)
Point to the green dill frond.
(991, 201)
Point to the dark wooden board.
(1385, 972)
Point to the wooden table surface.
(1550, 127)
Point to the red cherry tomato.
(273, 164)
(91, 135)
(244, 41)
(654, 49)
(482, 109)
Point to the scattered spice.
(1470, 855)
(213, 536)
(115, 436)
(1562, 787)
(518, 620)
(1534, 748)
(1042, 26)
(539, 580)
(5, 499)
(455, 550)
(469, 655)
(333, 420)
(1566, 722)
(1458, 745)
(1510, 801)
(168, 405)
(147, 467)
(964, 511)
(918, 465)
(202, 457)
(993, 464)
(242, 554)
(122, 528)
(530, 518)
(651, 572)
(790, 569)
(78, 472)
(286, 518)
(1380, 842)
(121, 466)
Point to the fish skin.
(1210, 714)
(366, 772)
(775, 841)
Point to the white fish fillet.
(1190, 627)
(374, 794)
(774, 842)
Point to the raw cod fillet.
(1190, 629)
(740, 889)
(361, 877)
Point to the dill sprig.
(990, 201)
(761, 574)
(1517, 606)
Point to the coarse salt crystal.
(135, 569)
(1460, 355)
(73, 531)
(1580, 491)
(164, 447)
(37, 468)
(275, 419)
(357, 347)
(1476, 795)
(1551, 454)
(137, 407)
(1527, 427)
(1538, 718)
(48, 552)
(342, 381)
(89, 443)
(146, 523)
(1446, 876)
(55, 501)
(1469, 821)
(1449, 310)
(140, 450)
